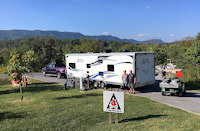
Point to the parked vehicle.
(54, 69)
(171, 83)
(107, 68)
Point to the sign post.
(113, 101)
(116, 118)
(110, 118)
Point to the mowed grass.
(48, 107)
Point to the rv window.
(88, 65)
(100, 61)
(101, 73)
(72, 65)
(110, 67)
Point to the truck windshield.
(60, 65)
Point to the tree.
(198, 36)
(1, 60)
(49, 51)
(19, 63)
(60, 54)
(188, 38)
(159, 53)
(29, 60)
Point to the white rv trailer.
(107, 68)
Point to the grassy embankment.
(47, 106)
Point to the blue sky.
(168, 20)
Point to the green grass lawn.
(48, 107)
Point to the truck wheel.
(44, 73)
(102, 85)
(58, 75)
(95, 84)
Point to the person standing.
(131, 82)
(124, 80)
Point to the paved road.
(190, 102)
(3, 75)
(51, 79)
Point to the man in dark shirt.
(131, 82)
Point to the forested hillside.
(185, 54)
(17, 34)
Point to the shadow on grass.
(34, 87)
(39, 87)
(9, 91)
(78, 96)
(141, 118)
(11, 115)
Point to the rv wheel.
(102, 85)
(95, 84)
(44, 73)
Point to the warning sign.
(113, 101)
(179, 74)
(113, 104)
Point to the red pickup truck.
(54, 69)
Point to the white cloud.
(147, 7)
(171, 35)
(106, 33)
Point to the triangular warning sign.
(179, 74)
(113, 104)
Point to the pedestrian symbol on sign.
(113, 104)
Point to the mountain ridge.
(17, 34)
